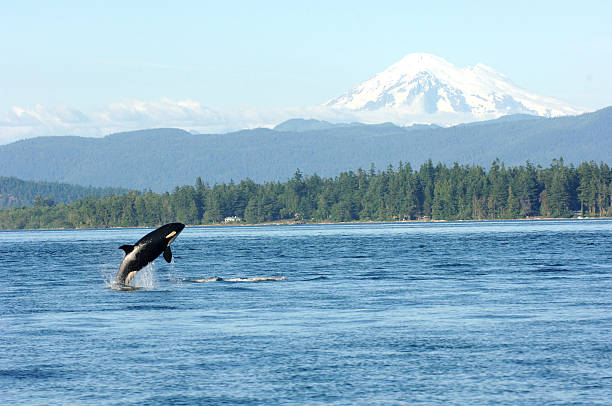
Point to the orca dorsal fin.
(127, 248)
(168, 254)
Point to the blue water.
(426, 313)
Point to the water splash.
(252, 279)
(172, 275)
(204, 280)
(146, 278)
(257, 279)
(108, 275)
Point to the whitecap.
(252, 279)
(256, 279)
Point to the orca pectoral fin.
(168, 254)
(127, 248)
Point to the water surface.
(421, 313)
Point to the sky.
(96, 67)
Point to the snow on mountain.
(426, 88)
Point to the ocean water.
(361, 314)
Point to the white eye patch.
(172, 234)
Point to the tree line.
(436, 192)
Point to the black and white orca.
(148, 248)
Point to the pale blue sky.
(85, 55)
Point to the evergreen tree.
(512, 205)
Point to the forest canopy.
(436, 192)
(17, 192)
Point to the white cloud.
(128, 115)
(40, 115)
(39, 120)
(165, 111)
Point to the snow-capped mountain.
(427, 88)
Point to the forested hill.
(16, 192)
(162, 159)
(402, 193)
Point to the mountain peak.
(422, 59)
(421, 62)
(427, 87)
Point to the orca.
(148, 248)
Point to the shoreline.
(289, 223)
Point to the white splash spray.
(145, 278)
(172, 275)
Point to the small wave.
(252, 279)
(316, 278)
(373, 276)
(451, 265)
(551, 270)
(151, 307)
(35, 372)
(502, 316)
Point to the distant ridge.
(16, 192)
(162, 159)
(155, 132)
(301, 125)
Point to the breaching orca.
(148, 248)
